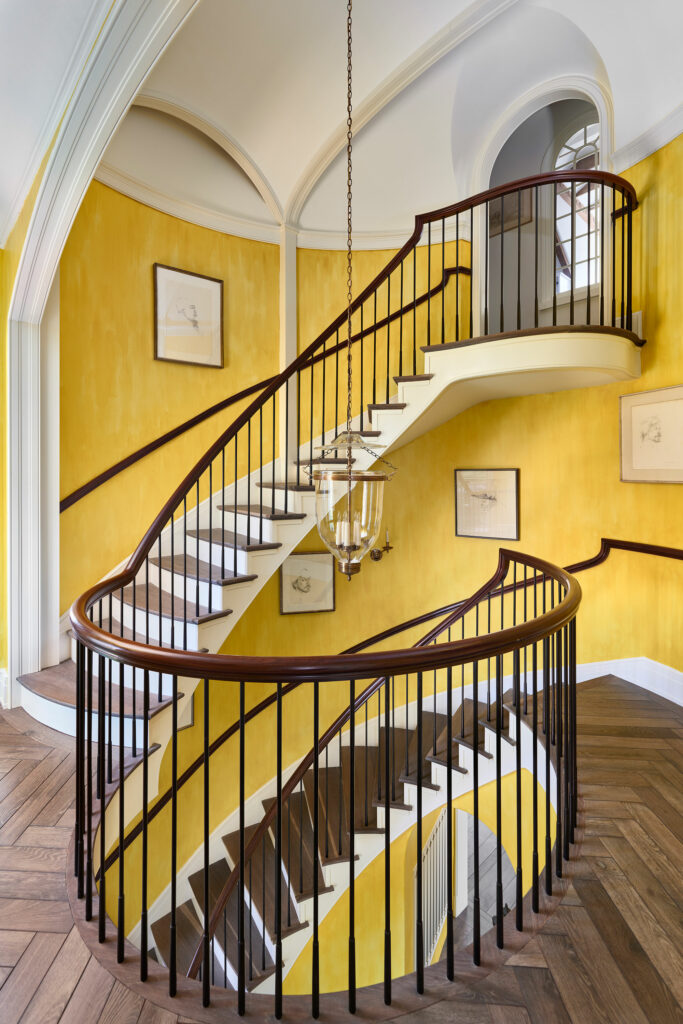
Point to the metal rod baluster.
(241, 971)
(519, 260)
(145, 823)
(518, 780)
(102, 911)
(546, 698)
(443, 280)
(536, 191)
(419, 934)
(120, 924)
(554, 254)
(278, 860)
(476, 901)
(572, 258)
(206, 966)
(315, 964)
(387, 852)
(502, 264)
(172, 961)
(499, 802)
(352, 847)
(450, 963)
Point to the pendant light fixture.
(348, 503)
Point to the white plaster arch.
(155, 101)
(133, 36)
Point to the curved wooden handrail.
(451, 654)
(114, 647)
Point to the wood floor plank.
(31, 858)
(35, 915)
(58, 985)
(543, 1001)
(648, 886)
(152, 1014)
(122, 1007)
(666, 868)
(16, 993)
(509, 1015)
(90, 995)
(642, 976)
(48, 838)
(33, 885)
(12, 945)
(25, 814)
(667, 814)
(582, 1002)
(529, 956)
(652, 937)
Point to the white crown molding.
(477, 15)
(226, 223)
(91, 27)
(155, 101)
(669, 128)
(133, 37)
(368, 240)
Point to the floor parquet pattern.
(610, 953)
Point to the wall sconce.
(376, 553)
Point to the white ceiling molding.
(479, 14)
(155, 101)
(86, 40)
(134, 35)
(368, 240)
(562, 88)
(226, 223)
(669, 128)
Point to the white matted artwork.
(487, 503)
(188, 317)
(307, 583)
(652, 436)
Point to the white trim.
(155, 101)
(94, 20)
(204, 216)
(650, 675)
(367, 240)
(669, 128)
(475, 17)
(134, 35)
(49, 475)
(4, 688)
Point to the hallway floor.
(609, 951)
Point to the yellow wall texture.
(567, 448)
(115, 397)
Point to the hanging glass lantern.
(348, 501)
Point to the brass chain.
(349, 293)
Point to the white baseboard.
(4, 688)
(651, 675)
(64, 639)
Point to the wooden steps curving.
(227, 539)
(200, 570)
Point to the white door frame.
(132, 38)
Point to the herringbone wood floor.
(610, 952)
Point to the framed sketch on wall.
(188, 317)
(487, 503)
(652, 436)
(307, 583)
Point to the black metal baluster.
(301, 840)
(80, 761)
(196, 581)
(554, 254)
(572, 258)
(322, 411)
(248, 488)
(443, 280)
(102, 908)
(387, 852)
(278, 860)
(499, 802)
(502, 264)
(558, 753)
(457, 277)
(374, 352)
(565, 745)
(206, 967)
(327, 800)
(310, 425)
(241, 971)
(526, 619)
(519, 260)
(518, 780)
(145, 823)
(272, 459)
(388, 333)
(234, 520)
(298, 426)
(588, 254)
(415, 309)
(476, 901)
(210, 533)
(352, 847)
(450, 963)
(407, 770)
(471, 271)
(419, 935)
(110, 672)
(623, 255)
(315, 964)
(486, 270)
(263, 902)
(173, 960)
(536, 191)
(614, 261)
(285, 467)
(184, 576)
(400, 331)
(223, 500)
(429, 283)
(340, 798)
(602, 253)
(336, 384)
(574, 728)
(365, 753)
(260, 471)
(546, 698)
(534, 772)
(88, 881)
(120, 924)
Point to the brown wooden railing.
(256, 462)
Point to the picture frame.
(510, 216)
(487, 503)
(188, 317)
(307, 583)
(651, 436)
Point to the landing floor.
(611, 951)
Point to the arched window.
(577, 210)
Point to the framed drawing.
(307, 583)
(188, 317)
(652, 436)
(487, 503)
(512, 214)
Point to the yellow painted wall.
(115, 397)
(334, 928)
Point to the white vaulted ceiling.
(240, 125)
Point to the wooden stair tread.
(298, 857)
(370, 433)
(261, 869)
(58, 684)
(200, 570)
(230, 540)
(407, 379)
(172, 606)
(139, 637)
(384, 406)
(263, 512)
(294, 487)
(189, 934)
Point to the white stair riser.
(124, 675)
(177, 583)
(170, 628)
